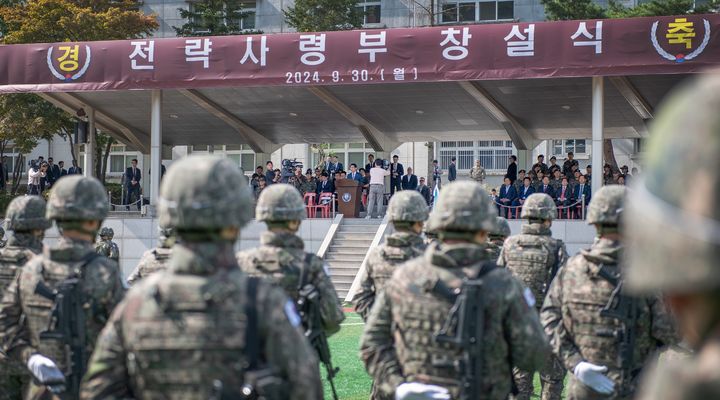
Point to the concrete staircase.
(348, 249)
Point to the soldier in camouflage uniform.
(281, 258)
(586, 339)
(106, 247)
(3, 242)
(674, 237)
(154, 260)
(202, 329)
(78, 205)
(407, 211)
(497, 237)
(399, 347)
(25, 219)
(534, 257)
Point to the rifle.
(67, 325)
(624, 309)
(464, 328)
(309, 308)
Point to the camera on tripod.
(288, 168)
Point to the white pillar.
(155, 144)
(525, 160)
(89, 165)
(598, 122)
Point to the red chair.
(309, 200)
(323, 205)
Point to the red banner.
(663, 45)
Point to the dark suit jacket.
(75, 171)
(63, 172)
(129, 176)
(54, 174)
(512, 172)
(400, 171)
(329, 187)
(508, 192)
(586, 191)
(409, 182)
(550, 191)
(357, 177)
(523, 194)
(452, 172)
(425, 193)
(269, 176)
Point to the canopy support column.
(598, 122)
(525, 160)
(156, 99)
(89, 165)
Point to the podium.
(349, 197)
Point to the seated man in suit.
(507, 196)
(424, 190)
(582, 190)
(525, 191)
(409, 180)
(355, 174)
(546, 187)
(325, 185)
(563, 196)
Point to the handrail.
(559, 208)
(329, 236)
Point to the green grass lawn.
(352, 382)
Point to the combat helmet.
(280, 203)
(462, 207)
(539, 206)
(606, 206)
(25, 214)
(166, 237)
(673, 239)
(107, 232)
(407, 206)
(204, 193)
(501, 229)
(77, 198)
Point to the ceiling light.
(565, 107)
(174, 116)
(419, 112)
(292, 114)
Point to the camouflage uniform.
(23, 215)
(106, 247)
(497, 237)
(398, 344)
(672, 237)
(24, 314)
(202, 329)
(572, 316)
(3, 242)
(532, 257)
(154, 260)
(405, 209)
(477, 173)
(308, 186)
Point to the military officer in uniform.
(602, 336)
(78, 205)
(674, 237)
(407, 213)
(25, 219)
(202, 329)
(497, 237)
(399, 346)
(534, 257)
(154, 260)
(106, 247)
(281, 258)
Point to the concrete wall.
(136, 235)
(576, 234)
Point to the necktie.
(544, 188)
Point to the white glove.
(594, 376)
(421, 391)
(45, 370)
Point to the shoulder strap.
(308, 259)
(252, 338)
(442, 290)
(611, 276)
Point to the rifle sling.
(610, 276)
(441, 290)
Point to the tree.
(48, 21)
(214, 18)
(24, 122)
(557, 10)
(324, 15)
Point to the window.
(370, 11)
(493, 154)
(464, 152)
(244, 17)
(119, 162)
(242, 155)
(562, 147)
(477, 11)
(347, 153)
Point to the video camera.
(288, 168)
